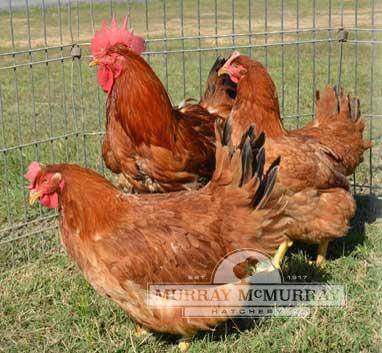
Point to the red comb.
(107, 37)
(33, 170)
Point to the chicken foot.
(321, 254)
(280, 254)
(184, 344)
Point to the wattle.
(234, 79)
(50, 201)
(105, 78)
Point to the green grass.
(45, 304)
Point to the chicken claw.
(184, 345)
(140, 331)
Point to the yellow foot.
(184, 345)
(280, 254)
(140, 332)
(321, 262)
(321, 254)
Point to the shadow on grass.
(231, 328)
(369, 210)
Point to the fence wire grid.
(52, 109)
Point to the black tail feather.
(266, 186)
(227, 131)
(252, 153)
(258, 163)
(247, 161)
(253, 161)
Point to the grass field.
(47, 306)
(55, 111)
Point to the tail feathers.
(265, 189)
(249, 194)
(349, 107)
(350, 111)
(341, 127)
(333, 101)
(326, 103)
(226, 133)
(251, 156)
(219, 62)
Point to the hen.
(156, 147)
(122, 243)
(318, 156)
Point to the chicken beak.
(33, 196)
(94, 62)
(223, 70)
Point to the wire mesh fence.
(52, 110)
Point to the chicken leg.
(280, 254)
(321, 253)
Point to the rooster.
(156, 147)
(318, 156)
(124, 242)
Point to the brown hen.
(311, 157)
(123, 242)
